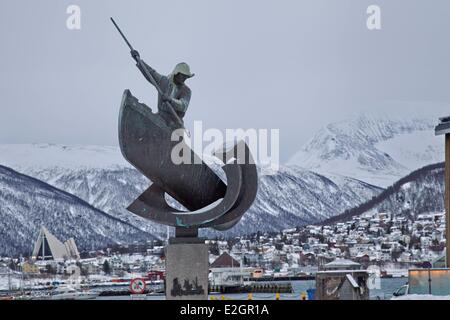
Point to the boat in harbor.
(70, 293)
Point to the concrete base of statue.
(187, 268)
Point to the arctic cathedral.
(48, 247)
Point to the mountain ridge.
(413, 177)
(27, 203)
(362, 148)
(293, 196)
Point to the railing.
(250, 296)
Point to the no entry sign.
(137, 286)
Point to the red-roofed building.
(225, 261)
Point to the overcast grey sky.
(293, 65)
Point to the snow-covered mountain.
(421, 191)
(108, 189)
(26, 204)
(294, 197)
(340, 168)
(291, 197)
(97, 174)
(374, 149)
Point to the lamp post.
(443, 128)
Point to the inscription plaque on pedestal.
(187, 268)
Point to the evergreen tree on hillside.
(106, 267)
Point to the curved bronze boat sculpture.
(145, 142)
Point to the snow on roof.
(349, 271)
(342, 262)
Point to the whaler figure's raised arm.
(173, 93)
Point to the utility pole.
(443, 128)
(43, 246)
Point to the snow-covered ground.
(421, 297)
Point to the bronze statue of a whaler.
(145, 139)
(174, 92)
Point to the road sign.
(137, 286)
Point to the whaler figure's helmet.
(184, 69)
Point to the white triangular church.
(48, 247)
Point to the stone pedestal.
(187, 268)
